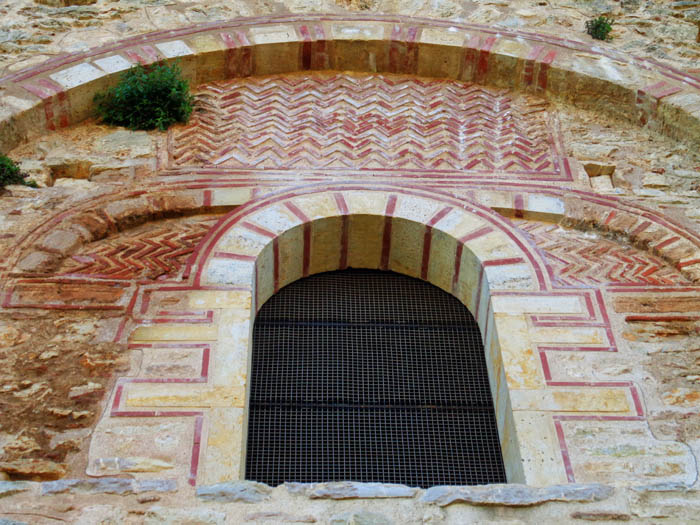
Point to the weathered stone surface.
(180, 516)
(361, 517)
(107, 486)
(354, 489)
(35, 469)
(516, 495)
(4, 521)
(8, 488)
(248, 491)
(279, 517)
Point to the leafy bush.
(147, 97)
(10, 173)
(599, 28)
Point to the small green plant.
(599, 28)
(11, 174)
(147, 97)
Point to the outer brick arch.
(60, 91)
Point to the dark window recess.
(370, 376)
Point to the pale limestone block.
(496, 199)
(520, 362)
(494, 245)
(230, 358)
(113, 64)
(230, 196)
(541, 456)
(174, 48)
(171, 362)
(468, 283)
(357, 30)
(77, 75)
(265, 279)
(571, 400)
(317, 205)
(190, 395)
(242, 241)
(602, 183)
(443, 251)
(206, 44)
(174, 332)
(11, 105)
(206, 299)
(366, 202)
(230, 271)
(572, 335)
(223, 455)
(442, 37)
(325, 245)
(549, 304)
(510, 277)
(365, 236)
(689, 101)
(406, 254)
(166, 440)
(545, 205)
(510, 48)
(459, 223)
(276, 219)
(416, 209)
(291, 256)
(273, 34)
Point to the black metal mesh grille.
(370, 376)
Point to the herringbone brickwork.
(329, 120)
(145, 252)
(577, 258)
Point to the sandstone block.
(516, 495)
(247, 491)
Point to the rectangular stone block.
(183, 395)
(544, 304)
(558, 399)
(174, 332)
(205, 299)
(365, 234)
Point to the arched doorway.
(370, 376)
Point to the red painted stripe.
(545, 367)
(660, 318)
(207, 198)
(386, 239)
(258, 229)
(667, 242)
(564, 452)
(276, 264)
(296, 211)
(196, 445)
(504, 262)
(237, 256)
(484, 230)
(688, 263)
(458, 267)
(519, 205)
(427, 241)
(307, 250)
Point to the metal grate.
(370, 376)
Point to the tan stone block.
(406, 247)
(291, 255)
(442, 37)
(539, 447)
(174, 332)
(317, 206)
(230, 360)
(520, 362)
(494, 245)
(223, 455)
(510, 48)
(440, 61)
(273, 34)
(282, 57)
(242, 241)
(366, 202)
(183, 395)
(365, 236)
(468, 280)
(509, 304)
(571, 400)
(360, 30)
(325, 245)
(219, 299)
(207, 43)
(459, 223)
(443, 251)
(230, 196)
(573, 335)
(265, 281)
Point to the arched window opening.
(370, 376)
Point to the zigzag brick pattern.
(579, 259)
(368, 121)
(146, 252)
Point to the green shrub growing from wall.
(599, 28)
(147, 97)
(11, 174)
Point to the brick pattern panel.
(146, 252)
(584, 259)
(326, 120)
